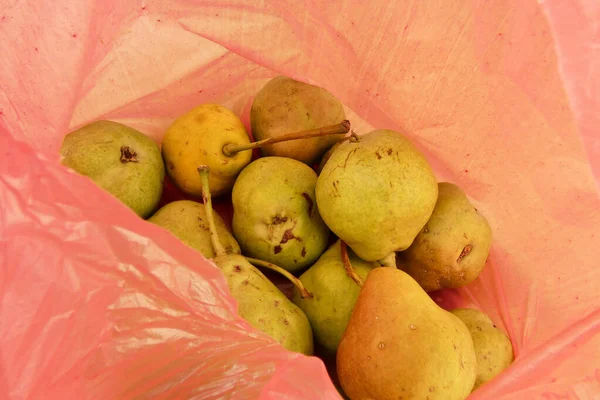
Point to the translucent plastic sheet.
(501, 96)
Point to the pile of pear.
(358, 223)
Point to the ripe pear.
(376, 193)
(452, 248)
(399, 344)
(492, 346)
(120, 159)
(198, 137)
(260, 302)
(186, 219)
(287, 105)
(333, 294)
(275, 214)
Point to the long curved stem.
(203, 170)
(348, 266)
(260, 263)
(230, 149)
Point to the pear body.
(492, 346)
(400, 344)
(275, 213)
(186, 219)
(376, 194)
(120, 159)
(264, 306)
(197, 138)
(333, 295)
(285, 105)
(452, 248)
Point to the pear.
(376, 193)
(333, 294)
(452, 248)
(121, 160)
(492, 346)
(275, 214)
(198, 137)
(399, 344)
(213, 135)
(286, 105)
(186, 219)
(260, 302)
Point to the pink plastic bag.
(96, 303)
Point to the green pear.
(260, 302)
(399, 344)
(333, 294)
(452, 248)
(286, 105)
(275, 214)
(121, 160)
(492, 346)
(186, 219)
(376, 193)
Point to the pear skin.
(452, 248)
(492, 346)
(186, 219)
(399, 344)
(120, 159)
(275, 213)
(377, 193)
(333, 295)
(286, 105)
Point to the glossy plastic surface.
(501, 96)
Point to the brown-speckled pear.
(275, 214)
(198, 137)
(333, 294)
(120, 159)
(399, 344)
(286, 105)
(260, 302)
(492, 346)
(376, 193)
(186, 219)
(452, 248)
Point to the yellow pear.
(198, 138)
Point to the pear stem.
(230, 149)
(203, 170)
(348, 266)
(260, 263)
